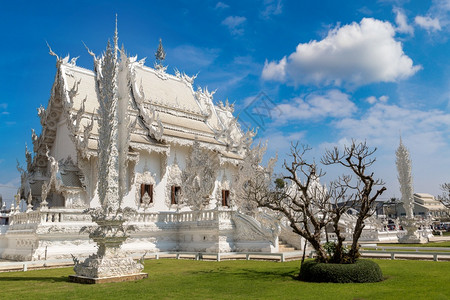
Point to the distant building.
(425, 205)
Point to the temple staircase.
(285, 247)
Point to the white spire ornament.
(160, 56)
(29, 200)
(110, 263)
(160, 53)
(405, 179)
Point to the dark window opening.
(225, 197)
(175, 194)
(146, 189)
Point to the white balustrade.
(55, 215)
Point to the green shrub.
(361, 271)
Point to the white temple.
(178, 174)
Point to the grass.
(432, 244)
(185, 279)
(424, 247)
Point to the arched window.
(174, 194)
(146, 193)
(225, 197)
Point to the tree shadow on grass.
(252, 274)
(42, 279)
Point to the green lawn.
(432, 244)
(185, 279)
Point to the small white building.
(424, 205)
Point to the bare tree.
(360, 190)
(309, 206)
(445, 197)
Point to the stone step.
(285, 247)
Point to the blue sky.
(329, 71)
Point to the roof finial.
(50, 51)
(160, 54)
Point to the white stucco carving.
(405, 179)
(144, 178)
(199, 176)
(225, 184)
(173, 179)
(403, 162)
(114, 137)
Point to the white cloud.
(355, 54)
(373, 99)
(221, 5)
(3, 109)
(271, 7)
(234, 24)
(317, 106)
(424, 132)
(195, 56)
(384, 98)
(437, 17)
(365, 11)
(279, 142)
(428, 23)
(383, 123)
(402, 22)
(275, 71)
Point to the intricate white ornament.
(173, 179)
(199, 177)
(225, 185)
(146, 178)
(114, 132)
(404, 177)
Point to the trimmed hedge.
(361, 271)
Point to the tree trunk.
(354, 251)
(338, 254)
(321, 253)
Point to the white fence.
(73, 215)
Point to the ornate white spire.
(404, 178)
(160, 53)
(114, 127)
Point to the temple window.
(175, 194)
(146, 193)
(225, 197)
